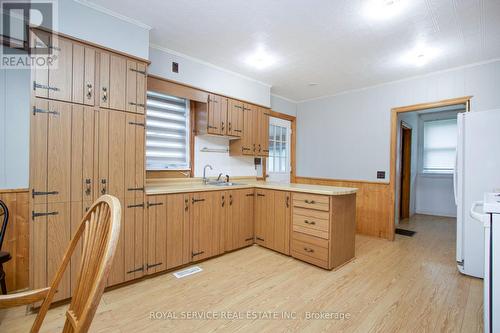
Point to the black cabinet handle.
(140, 269)
(309, 222)
(34, 193)
(261, 195)
(230, 200)
(196, 200)
(35, 215)
(223, 201)
(250, 194)
(136, 206)
(310, 202)
(150, 204)
(308, 250)
(287, 201)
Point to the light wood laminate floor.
(409, 285)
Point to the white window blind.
(167, 132)
(440, 145)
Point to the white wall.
(221, 162)
(282, 105)
(435, 195)
(202, 75)
(84, 22)
(14, 128)
(347, 136)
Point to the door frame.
(293, 143)
(393, 148)
(404, 127)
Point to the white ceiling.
(330, 42)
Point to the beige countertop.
(170, 186)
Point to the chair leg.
(2, 280)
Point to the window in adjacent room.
(440, 145)
(167, 132)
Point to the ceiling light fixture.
(420, 55)
(260, 59)
(384, 9)
(313, 84)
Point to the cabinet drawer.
(305, 247)
(311, 225)
(311, 201)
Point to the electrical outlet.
(175, 67)
(380, 174)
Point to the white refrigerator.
(477, 171)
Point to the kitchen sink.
(226, 184)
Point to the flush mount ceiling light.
(260, 59)
(384, 9)
(313, 84)
(420, 56)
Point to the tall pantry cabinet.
(87, 139)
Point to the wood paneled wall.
(16, 240)
(373, 204)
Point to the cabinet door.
(248, 146)
(263, 132)
(83, 74)
(178, 230)
(131, 86)
(264, 227)
(58, 238)
(104, 70)
(40, 71)
(141, 88)
(83, 186)
(38, 151)
(114, 184)
(117, 82)
(61, 71)
(281, 222)
(140, 154)
(219, 216)
(247, 211)
(157, 234)
(133, 238)
(231, 229)
(214, 117)
(58, 151)
(201, 221)
(235, 118)
(134, 156)
(223, 110)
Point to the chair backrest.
(99, 231)
(4, 219)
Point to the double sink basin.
(224, 184)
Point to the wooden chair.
(4, 255)
(100, 229)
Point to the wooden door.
(264, 226)
(61, 71)
(263, 132)
(405, 172)
(83, 74)
(83, 187)
(117, 82)
(141, 87)
(202, 205)
(136, 86)
(104, 71)
(178, 230)
(58, 151)
(156, 234)
(248, 144)
(214, 120)
(133, 238)
(281, 222)
(235, 118)
(57, 240)
(247, 212)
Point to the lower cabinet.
(239, 228)
(272, 220)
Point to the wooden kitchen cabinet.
(239, 230)
(255, 138)
(83, 90)
(281, 222)
(156, 258)
(178, 243)
(216, 115)
(264, 228)
(204, 240)
(235, 118)
(136, 87)
(133, 238)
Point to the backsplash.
(221, 161)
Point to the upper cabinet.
(255, 136)
(89, 75)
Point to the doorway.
(406, 134)
(279, 160)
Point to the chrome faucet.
(205, 179)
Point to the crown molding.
(113, 13)
(179, 54)
(285, 98)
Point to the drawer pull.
(140, 269)
(150, 204)
(308, 250)
(309, 222)
(194, 254)
(312, 202)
